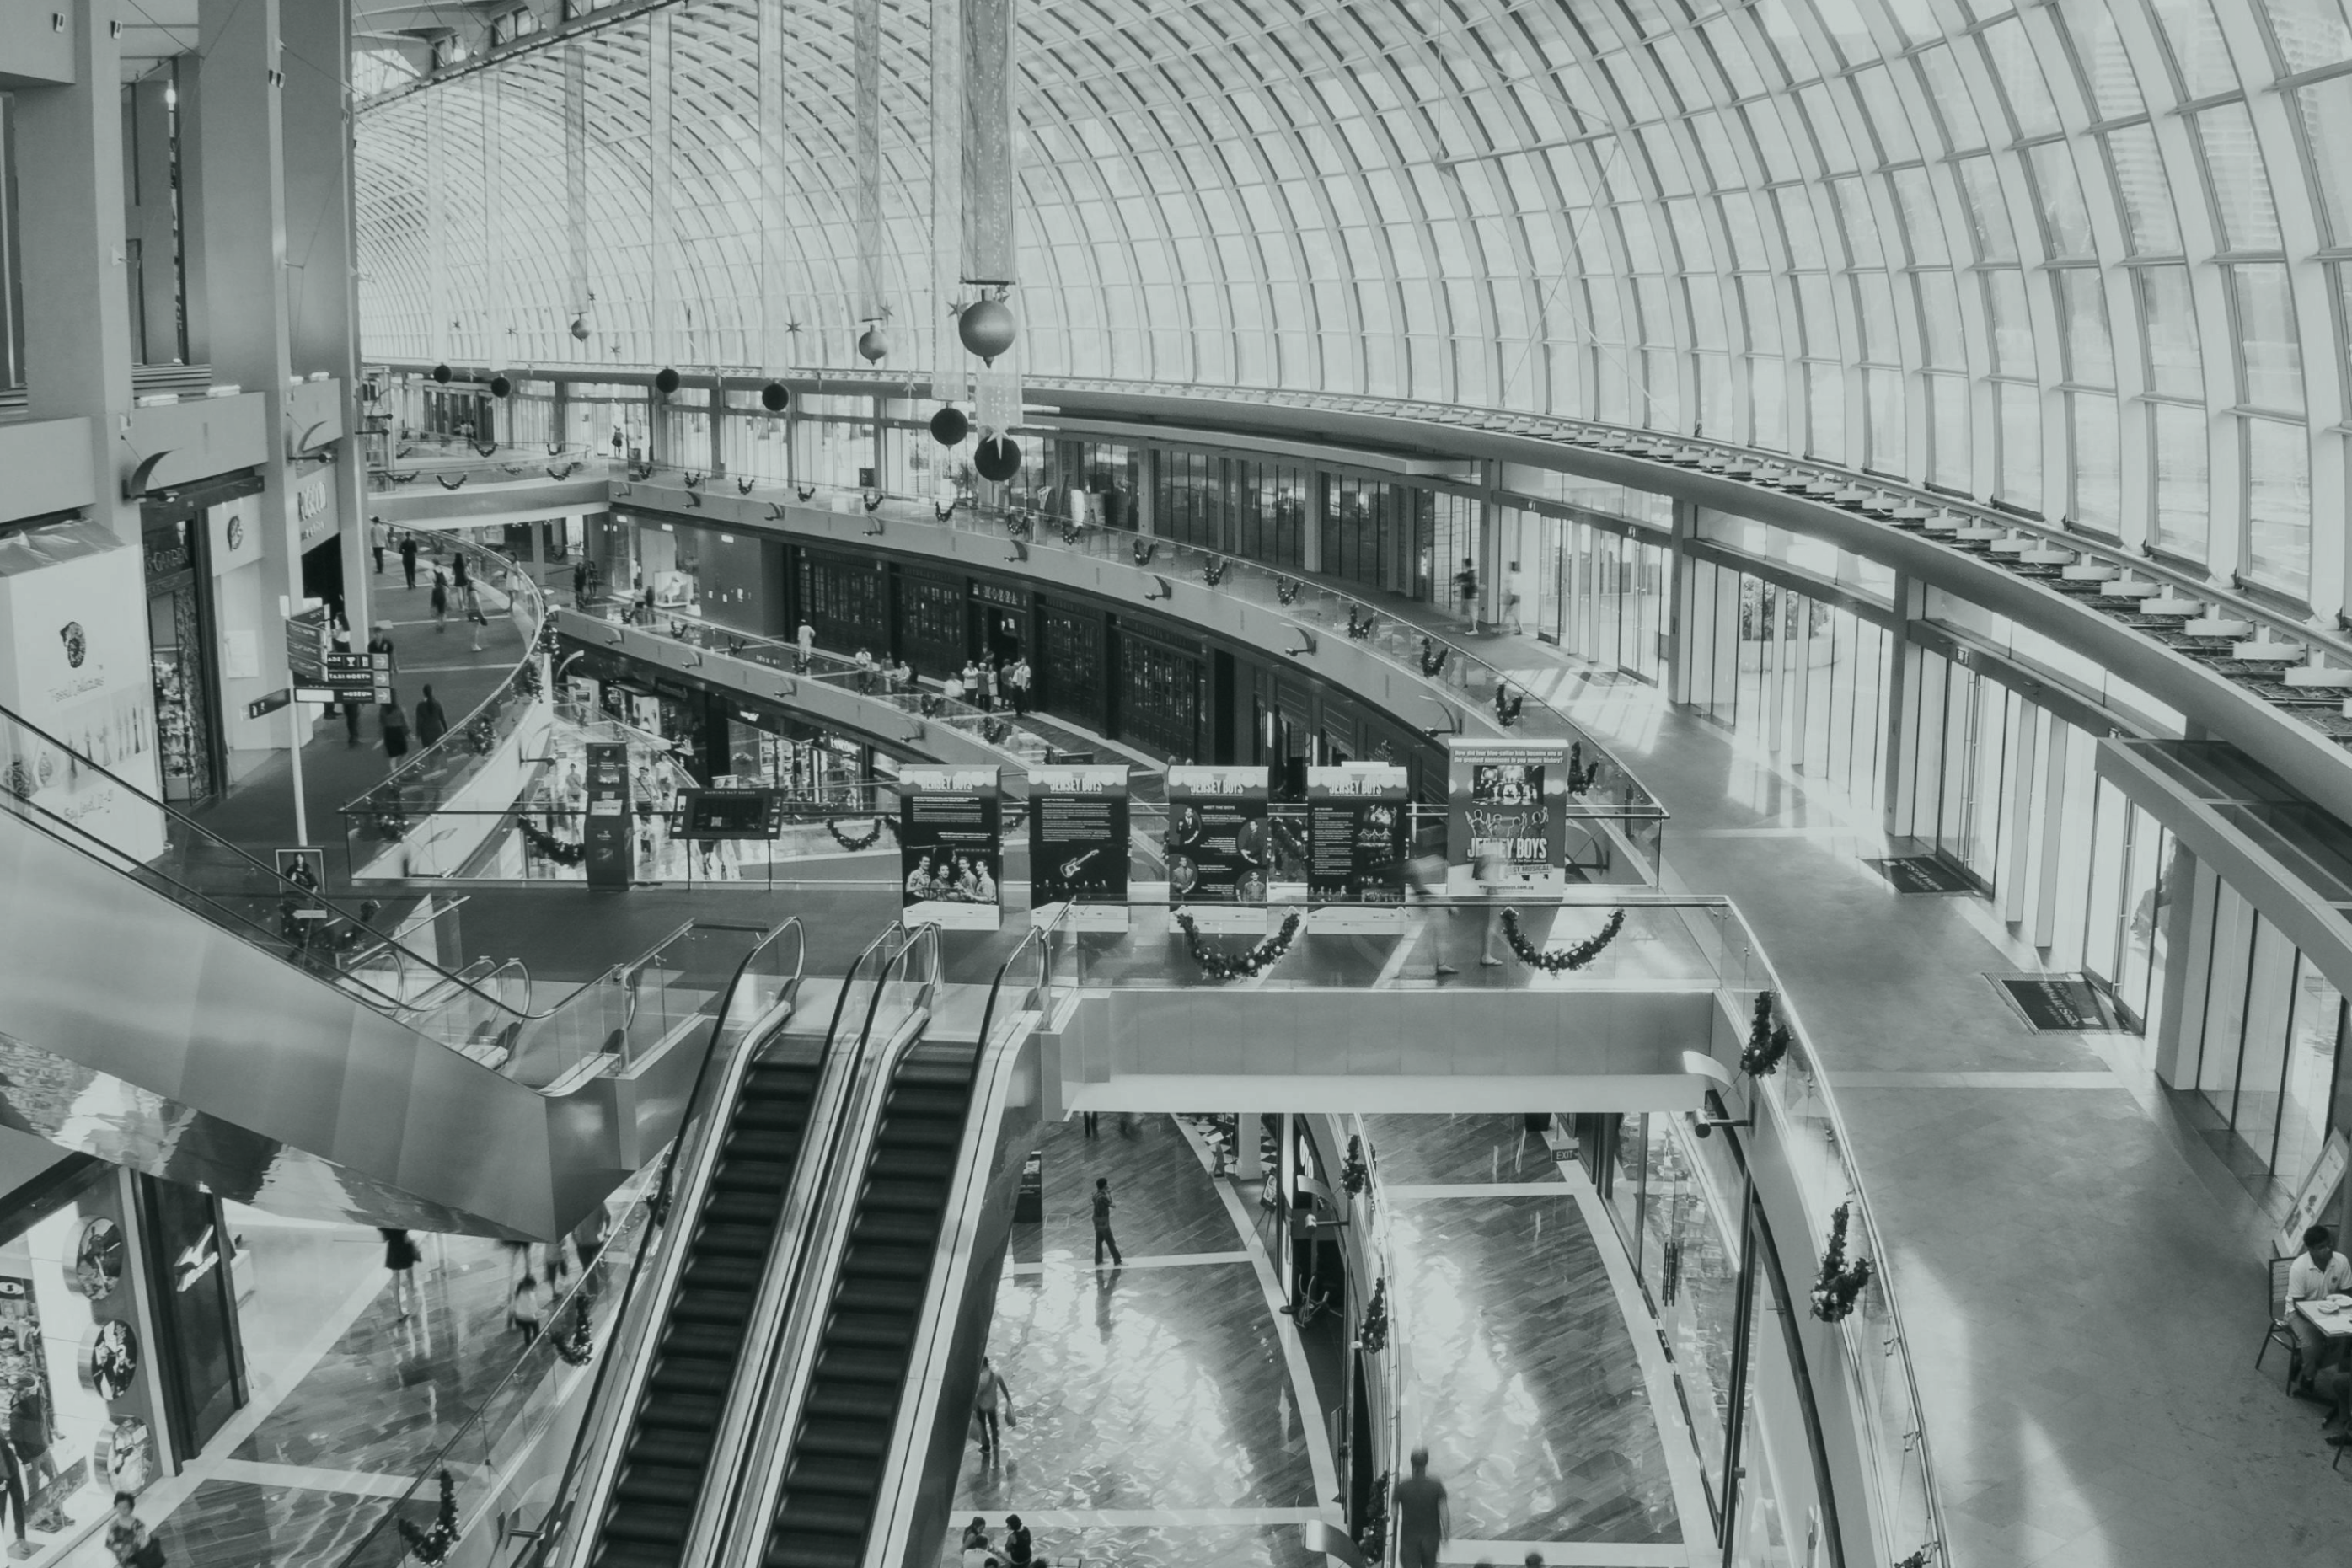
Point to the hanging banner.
(948, 375)
(1078, 844)
(1220, 847)
(607, 835)
(866, 154)
(1507, 801)
(992, 194)
(1355, 845)
(951, 848)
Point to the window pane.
(2065, 223)
(2115, 89)
(2241, 186)
(2149, 216)
(2182, 495)
(1947, 412)
(2012, 330)
(2091, 438)
(2083, 317)
(1884, 390)
(2020, 444)
(1988, 215)
(2278, 506)
(2270, 353)
(2199, 53)
(2309, 33)
(2327, 114)
(2176, 368)
(2012, 56)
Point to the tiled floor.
(1522, 1378)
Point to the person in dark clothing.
(579, 583)
(400, 1256)
(28, 1434)
(1103, 1238)
(11, 1476)
(1018, 1549)
(459, 577)
(408, 559)
(1423, 1519)
(395, 730)
(440, 603)
(432, 724)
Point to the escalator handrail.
(995, 1079)
(273, 883)
(599, 1427)
(1034, 937)
(738, 1531)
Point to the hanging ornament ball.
(500, 386)
(775, 397)
(999, 458)
(874, 342)
(441, 374)
(580, 328)
(665, 381)
(987, 329)
(949, 426)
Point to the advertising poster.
(1507, 798)
(1220, 847)
(607, 830)
(951, 848)
(1356, 844)
(1078, 842)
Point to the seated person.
(2333, 1386)
(2320, 1271)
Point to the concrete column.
(322, 273)
(1494, 562)
(70, 203)
(242, 157)
(1898, 761)
(1676, 655)
(188, 78)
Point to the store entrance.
(188, 740)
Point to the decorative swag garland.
(1839, 1284)
(575, 1346)
(1218, 965)
(1433, 658)
(431, 1546)
(550, 846)
(1214, 571)
(1768, 1041)
(1575, 957)
(1286, 588)
(873, 831)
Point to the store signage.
(2319, 1185)
(951, 848)
(235, 541)
(1355, 840)
(196, 1259)
(1219, 844)
(167, 550)
(1004, 598)
(347, 678)
(2056, 1002)
(607, 833)
(311, 502)
(1078, 842)
(1507, 802)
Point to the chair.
(2278, 1331)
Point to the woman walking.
(440, 601)
(395, 729)
(400, 1256)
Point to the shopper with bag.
(994, 1395)
(128, 1539)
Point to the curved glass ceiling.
(2085, 257)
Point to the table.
(2334, 1322)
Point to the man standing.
(1103, 1238)
(1016, 682)
(2320, 1271)
(432, 724)
(1466, 586)
(379, 536)
(1424, 1519)
(408, 559)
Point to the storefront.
(1162, 696)
(1597, 587)
(190, 747)
(79, 1391)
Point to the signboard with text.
(951, 848)
(1507, 802)
(1220, 845)
(607, 829)
(1078, 840)
(1356, 839)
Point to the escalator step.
(703, 1341)
(787, 1551)
(679, 1411)
(833, 1438)
(902, 1192)
(820, 1514)
(897, 1228)
(721, 1271)
(730, 1307)
(865, 1262)
(691, 1373)
(756, 1171)
(670, 1446)
(676, 1485)
(878, 1331)
(877, 1296)
(827, 1473)
(649, 1524)
(736, 1237)
(860, 1363)
(874, 1402)
(636, 1554)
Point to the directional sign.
(268, 704)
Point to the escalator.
(667, 1452)
(167, 1004)
(754, 1159)
(835, 1468)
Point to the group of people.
(952, 879)
(977, 1552)
(985, 682)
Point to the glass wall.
(1804, 679)
(1598, 592)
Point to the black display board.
(732, 813)
(1077, 835)
(1356, 833)
(607, 835)
(951, 848)
(1220, 850)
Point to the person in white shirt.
(806, 637)
(2320, 1271)
(1514, 585)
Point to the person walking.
(985, 685)
(408, 557)
(1423, 1518)
(580, 584)
(1514, 585)
(379, 536)
(400, 1256)
(995, 1397)
(1103, 1238)
(472, 595)
(128, 1539)
(440, 602)
(1465, 588)
(395, 730)
(1017, 681)
(432, 724)
(806, 638)
(528, 1306)
(459, 576)
(1490, 869)
(12, 1476)
(380, 641)
(1089, 1118)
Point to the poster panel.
(1356, 846)
(1506, 799)
(1077, 841)
(607, 829)
(1220, 847)
(951, 848)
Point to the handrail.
(1034, 937)
(696, 1124)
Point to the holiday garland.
(1768, 1041)
(1286, 588)
(1144, 550)
(550, 846)
(1354, 1174)
(1433, 658)
(1581, 778)
(873, 832)
(1372, 1334)
(1508, 705)
(1359, 630)
(1214, 572)
(575, 1348)
(1257, 960)
(431, 1546)
(1575, 957)
(1840, 1284)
